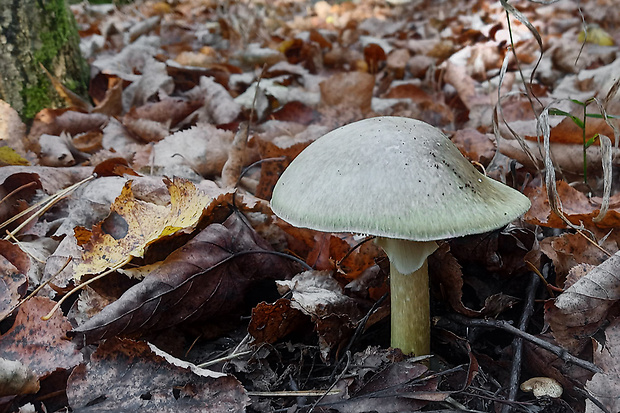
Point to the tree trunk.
(34, 32)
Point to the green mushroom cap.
(392, 177)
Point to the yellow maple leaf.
(133, 224)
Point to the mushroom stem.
(410, 303)
(410, 306)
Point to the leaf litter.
(198, 108)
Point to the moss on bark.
(32, 33)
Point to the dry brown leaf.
(296, 112)
(147, 130)
(168, 109)
(465, 86)
(605, 387)
(447, 273)
(56, 121)
(231, 171)
(40, 345)
(270, 171)
(125, 375)
(579, 311)
(22, 186)
(353, 90)
(14, 264)
(111, 103)
(218, 106)
(318, 295)
(474, 145)
(409, 91)
(398, 387)
(88, 142)
(569, 250)
(202, 148)
(575, 205)
(17, 379)
(273, 322)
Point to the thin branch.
(506, 326)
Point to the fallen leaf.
(605, 387)
(273, 322)
(133, 224)
(125, 375)
(202, 149)
(55, 121)
(353, 90)
(578, 312)
(40, 345)
(475, 146)
(568, 250)
(14, 266)
(17, 379)
(575, 205)
(205, 280)
(318, 295)
(399, 387)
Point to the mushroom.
(405, 182)
(543, 387)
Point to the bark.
(34, 32)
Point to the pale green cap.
(392, 177)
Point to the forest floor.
(152, 194)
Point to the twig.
(587, 394)
(506, 326)
(81, 286)
(45, 205)
(344, 371)
(356, 246)
(362, 323)
(298, 393)
(39, 288)
(225, 358)
(517, 343)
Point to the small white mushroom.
(542, 386)
(405, 182)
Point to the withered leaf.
(270, 171)
(38, 344)
(399, 387)
(133, 224)
(605, 387)
(208, 277)
(579, 311)
(128, 376)
(272, 322)
(575, 205)
(568, 250)
(318, 295)
(353, 90)
(447, 272)
(14, 266)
